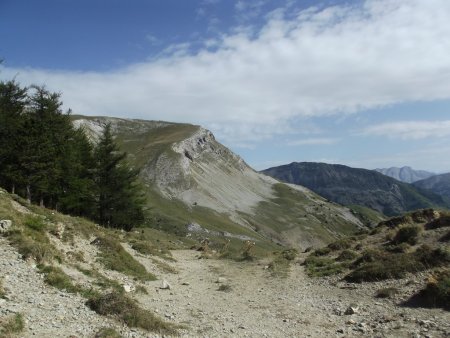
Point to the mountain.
(439, 184)
(349, 186)
(405, 174)
(198, 187)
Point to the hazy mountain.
(193, 179)
(439, 184)
(349, 186)
(405, 174)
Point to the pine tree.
(13, 100)
(120, 199)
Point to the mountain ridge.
(439, 184)
(192, 178)
(347, 186)
(405, 174)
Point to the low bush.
(2, 289)
(443, 221)
(398, 248)
(224, 288)
(107, 333)
(377, 265)
(128, 311)
(341, 244)
(445, 238)
(11, 326)
(386, 292)
(115, 257)
(323, 266)
(407, 234)
(347, 255)
(57, 278)
(321, 251)
(436, 293)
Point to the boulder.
(165, 285)
(5, 224)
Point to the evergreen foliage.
(120, 198)
(45, 159)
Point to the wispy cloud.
(313, 141)
(410, 130)
(338, 60)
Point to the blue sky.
(362, 83)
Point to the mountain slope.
(193, 179)
(405, 174)
(439, 184)
(349, 186)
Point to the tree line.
(48, 161)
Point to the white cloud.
(313, 141)
(338, 60)
(410, 130)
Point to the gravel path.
(253, 304)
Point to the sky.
(361, 83)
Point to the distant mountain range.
(439, 184)
(405, 174)
(351, 186)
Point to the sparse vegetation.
(2, 289)
(114, 257)
(407, 234)
(280, 266)
(436, 293)
(347, 255)
(341, 244)
(128, 311)
(323, 266)
(10, 326)
(56, 277)
(31, 240)
(386, 292)
(107, 333)
(225, 288)
(380, 265)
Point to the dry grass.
(128, 311)
(11, 326)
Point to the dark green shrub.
(321, 251)
(443, 221)
(290, 254)
(408, 234)
(347, 255)
(398, 248)
(323, 266)
(107, 333)
(445, 238)
(341, 244)
(432, 257)
(437, 291)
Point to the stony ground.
(220, 298)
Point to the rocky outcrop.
(5, 224)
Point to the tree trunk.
(28, 193)
(13, 189)
(41, 202)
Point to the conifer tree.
(13, 100)
(120, 199)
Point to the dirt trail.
(259, 305)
